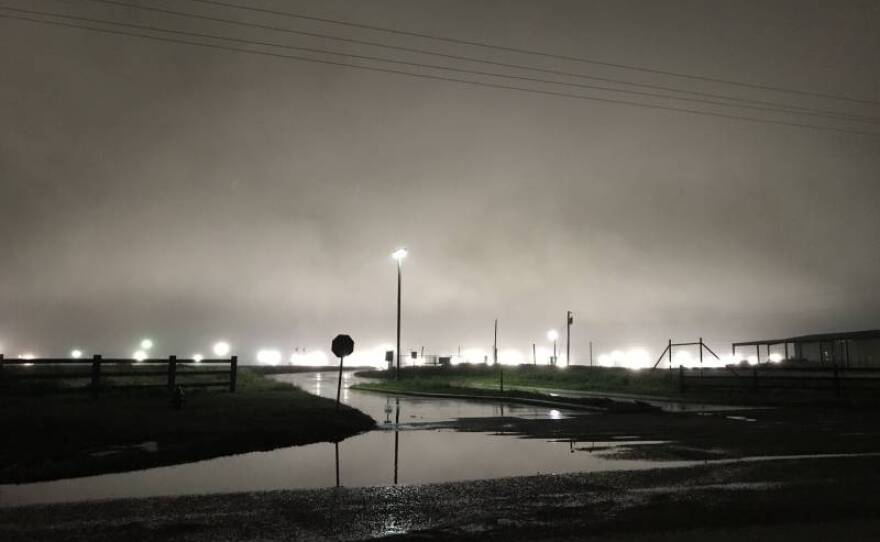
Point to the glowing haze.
(201, 196)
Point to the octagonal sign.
(342, 346)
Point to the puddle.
(410, 447)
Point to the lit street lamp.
(398, 255)
(221, 349)
(76, 353)
(553, 335)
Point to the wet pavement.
(718, 502)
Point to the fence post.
(172, 372)
(681, 378)
(96, 374)
(233, 373)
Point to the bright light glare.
(139, 355)
(753, 360)
(511, 356)
(775, 357)
(27, 355)
(76, 353)
(146, 344)
(197, 358)
(730, 359)
(474, 355)
(268, 356)
(399, 254)
(682, 358)
(221, 348)
(368, 357)
(634, 358)
(552, 335)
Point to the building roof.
(817, 337)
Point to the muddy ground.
(785, 500)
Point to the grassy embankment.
(58, 435)
(535, 381)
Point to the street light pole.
(398, 255)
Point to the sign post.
(342, 346)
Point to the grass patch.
(56, 435)
(487, 377)
(470, 378)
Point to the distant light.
(474, 355)
(552, 334)
(146, 344)
(221, 348)
(683, 358)
(27, 355)
(399, 254)
(269, 356)
(198, 358)
(555, 415)
(775, 357)
(511, 356)
(139, 355)
(753, 360)
(76, 354)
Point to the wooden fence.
(99, 372)
(839, 381)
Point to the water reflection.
(396, 436)
(388, 410)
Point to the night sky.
(190, 194)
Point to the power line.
(784, 108)
(545, 54)
(441, 78)
(421, 65)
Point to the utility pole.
(591, 353)
(534, 355)
(569, 319)
(495, 344)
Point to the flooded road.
(413, 444)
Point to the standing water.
(406, 448)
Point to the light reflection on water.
(403, 450)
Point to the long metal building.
(848, 349)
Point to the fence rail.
(836, 380)
(101, 372)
